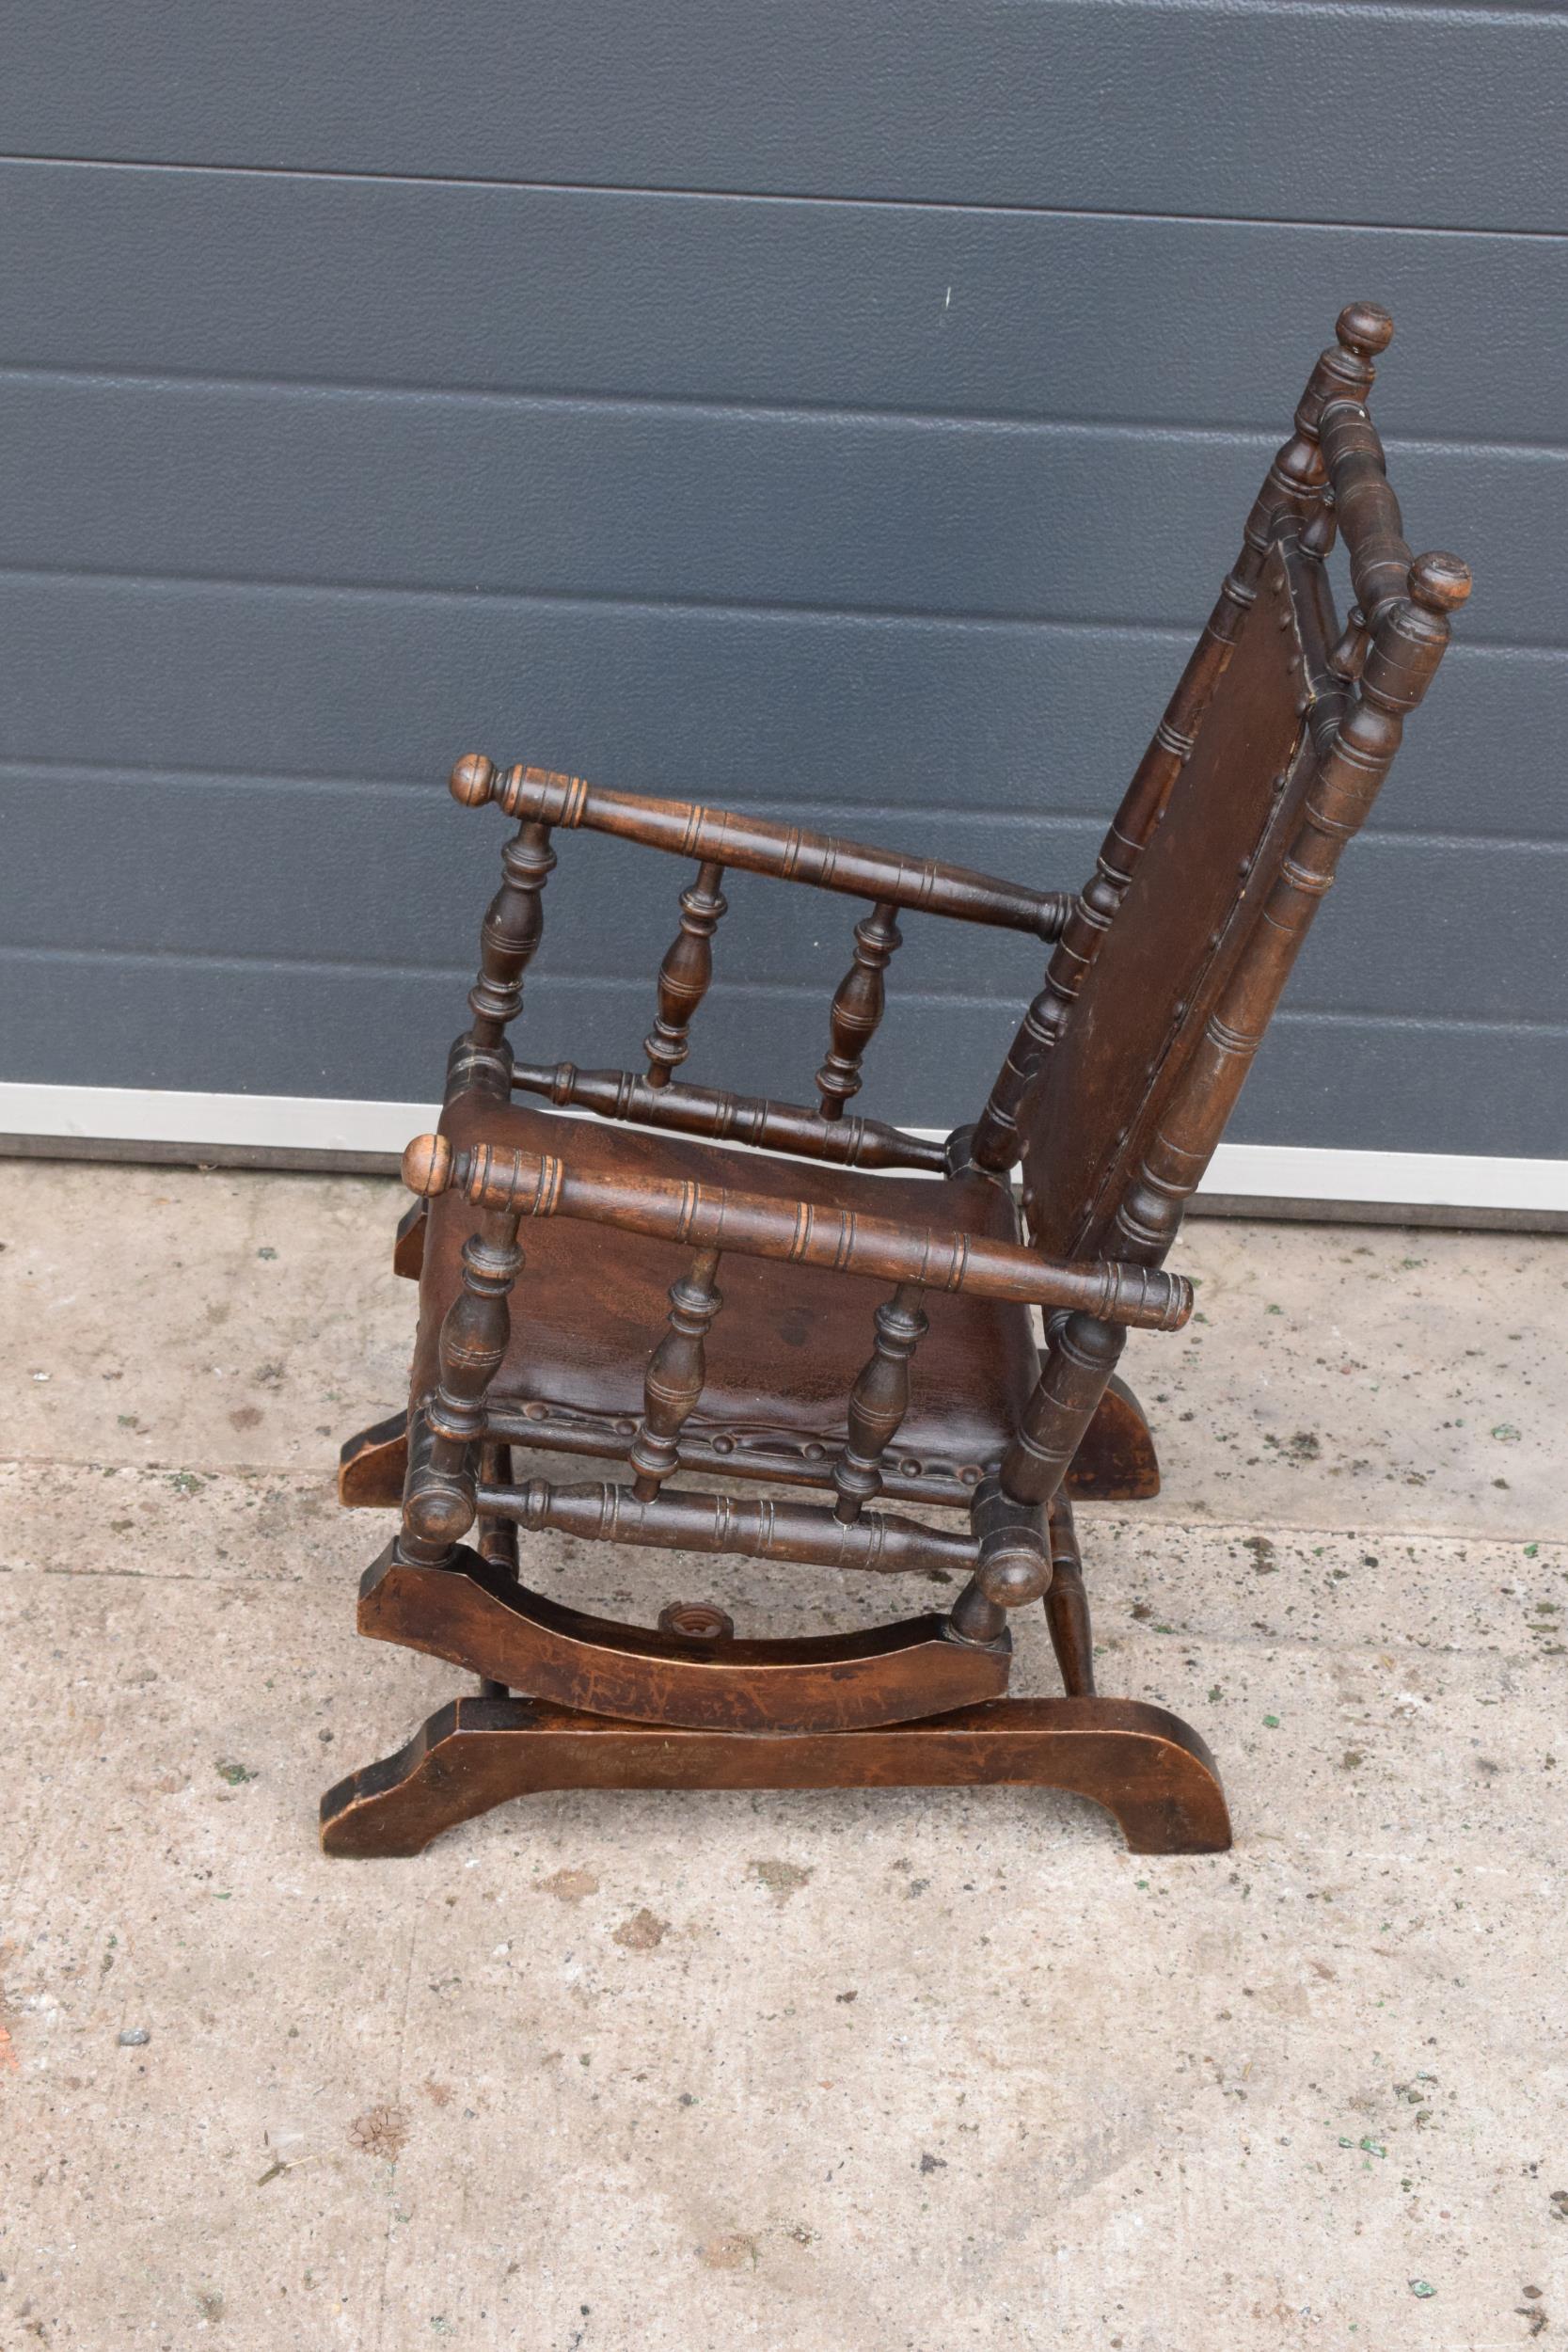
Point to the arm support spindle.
(684, 975)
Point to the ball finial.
(1439, 581)
(1365, 328)
(427, 1165)
(472, 780)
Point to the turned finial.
(472, 781)
(1440, 581)
(1365, 328)
(427, 1165)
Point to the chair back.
(1195, 895)
(1268, 760)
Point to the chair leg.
(1066, 1604)
(1009, 1507)
(1150, 1771)
(495, 1541)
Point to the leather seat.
(782, 1356)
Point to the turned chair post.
(878, 1399)
(1066, 1604)
(857, 1008)
(1080, 1354)
(675, 1377)
(685, 973)
(438, 1504)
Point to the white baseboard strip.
(299, 1130)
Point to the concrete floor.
(833, 2073)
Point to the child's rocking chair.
(1162, 977)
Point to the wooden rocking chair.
(1164, 973)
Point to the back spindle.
(857, 1008)
(684, 975)
(675, 1377)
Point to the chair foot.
(1144, 1765)
(372, 1465)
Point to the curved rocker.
(1146, 1767)
(470, 1611)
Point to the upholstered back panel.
(1196, 892)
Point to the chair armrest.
(749, 1224)
(926, 886)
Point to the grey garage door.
(829, 407)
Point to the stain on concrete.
(641, 1932)
(781, 1879)
(381, 2131)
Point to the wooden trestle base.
(1153, 1771)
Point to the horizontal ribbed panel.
(904, 308)
(1434, 117)
(847, 413)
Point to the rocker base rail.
(471, 1613)
(1147, 1768)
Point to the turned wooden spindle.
(1296, 483)
(512, 928)
(496, 1540)
(1079, 1356)
(722, 1117)
(684, 974)
(439, 1506)
(857, 1008)
(1066, 1604)
(1015, 1566)
(1012, 1566)
(675, 1374)
(878, 1399)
